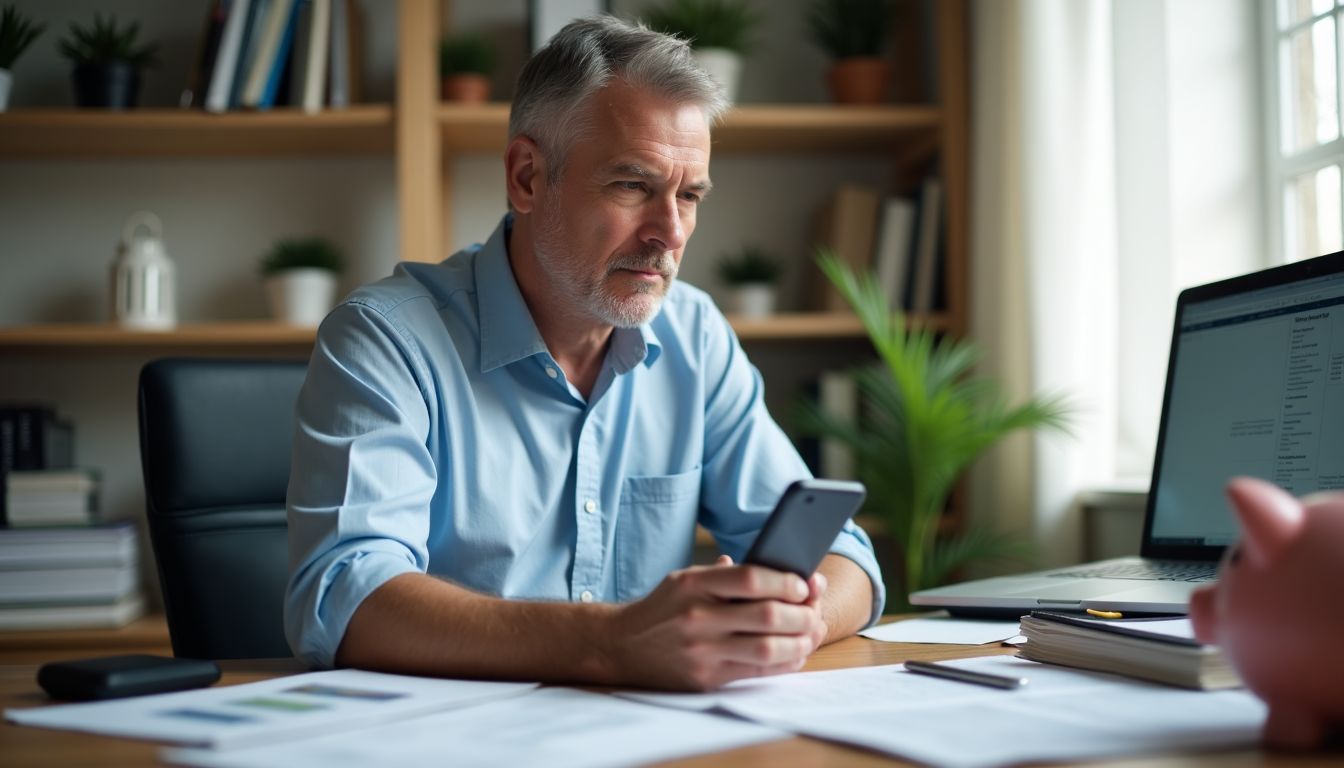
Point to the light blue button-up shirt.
(436, 434)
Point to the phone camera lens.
(808, 499)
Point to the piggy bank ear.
(1270, 518)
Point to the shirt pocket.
(655, 530)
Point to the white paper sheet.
(270, 710)
(552, 727)
(1060, 715)
(943, 629)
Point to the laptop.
(1255, 386)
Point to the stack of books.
(1161, 650)
(51, 497)
(62, 578)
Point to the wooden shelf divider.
(749, 128)
(142, 133)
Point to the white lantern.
(144, 279)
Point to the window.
(1306, 148)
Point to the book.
(263, 76)
(51, 497)
(97, 615)
(226, 60)
(198, 82)
(110, 544)
(895, 239)
(68, 585)
(1161, 650)
(925, 263)
(846, 226)
(343, 73)
(308, 79)
(32, 437)
(838, 395)
(257, 15)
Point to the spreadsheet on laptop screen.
(1257, 389)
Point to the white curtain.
(1115, 159)
(1044, 252)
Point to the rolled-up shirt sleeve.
(749, 461)
(361, 481)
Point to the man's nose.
(663, 226)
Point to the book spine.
(315, 68)
(267, 53)
(340, 55)
(226, 61)
(281, 60)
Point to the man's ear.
(524, 172)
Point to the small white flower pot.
(754, 300)
(301, 296)
(724, 66)
(6, 80)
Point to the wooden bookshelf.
(821, 128)
(261, 334)
(139, 133)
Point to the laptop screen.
(1255, 386)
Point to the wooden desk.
(22, 747)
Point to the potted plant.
(465, 64)
(16, 34)
(300, 275)
(751, 274)
(854, 34)
(717, 31)
(926, 417)
(108, 59)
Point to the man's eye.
(630, 186)
(691, 197)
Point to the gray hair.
(585, 56)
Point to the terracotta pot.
(859, 80)
(466, 89)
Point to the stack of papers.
(1164, 650)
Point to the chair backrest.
(215, 438)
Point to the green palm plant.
(16, 34)
(927, 418)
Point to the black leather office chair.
(215, 438)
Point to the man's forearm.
(421, 625)
(848, 602)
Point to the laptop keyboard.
(1154, 570)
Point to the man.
(500, 459)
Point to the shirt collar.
(508, 333)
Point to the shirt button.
(586, 596)
(590, 506)
(552, 372)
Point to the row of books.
(894, 237)
(258, 54)
(74, 577)
(32, 438)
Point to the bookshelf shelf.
(751, 128)
(74, 133)
(262, 334)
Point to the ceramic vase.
(301, 296)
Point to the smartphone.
(112, 677)
(804, 524)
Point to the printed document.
(552, 727)
(1061, 714)
(943, 629)
(270, 710)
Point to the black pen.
(964, 675)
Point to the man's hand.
(706, 626)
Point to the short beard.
(589, 292)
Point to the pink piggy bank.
(1277, 610)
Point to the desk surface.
(21, 747)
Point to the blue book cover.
(281, 59)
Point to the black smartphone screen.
(804, 524)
